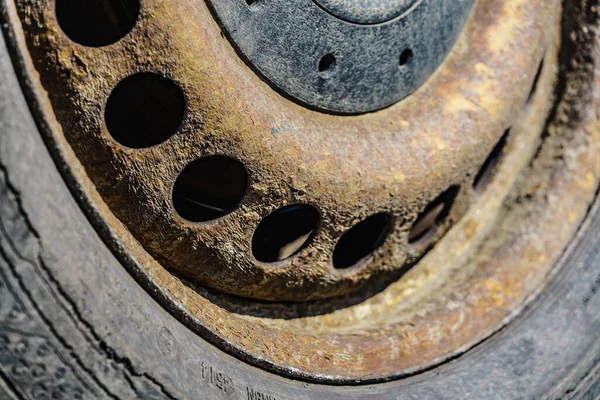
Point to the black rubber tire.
(75, 324)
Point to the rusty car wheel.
(395, 199)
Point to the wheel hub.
(309, 51)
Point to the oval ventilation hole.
(210, 188)
(489, 167)
(144, 110)
(536, 80)
(285, 232)
(361, 240)
(96, 23)
(434, 216)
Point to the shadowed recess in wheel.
(488, 169)
(285, 232)
(425, 228)
(144, 110)
(209, 188)
(361, 240)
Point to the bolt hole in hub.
(327, 65)
(345, 225)
(406, 58)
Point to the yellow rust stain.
(470, 229)
(499, 35)
(440, 144)
(573, 217)
(483, 95)
(490, 101)
(589, 182)
(483, 69)
(459, 103)
(498, 300)
(493, 286)
(497, 292)
(399, 176)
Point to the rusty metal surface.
(396, 160)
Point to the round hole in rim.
(97, 23)
(425, 228)
(327, 65)
(285, 232)
(144, 110)
(405, 58)
(210, 188)
(489, 167)
(361, 240)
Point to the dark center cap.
(343, 56)
(367, 11)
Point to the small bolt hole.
(434, 216)
(251, 2)
(489, 167)
(361, 240)
(285, 232)
(327, 65)
(405, 58)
